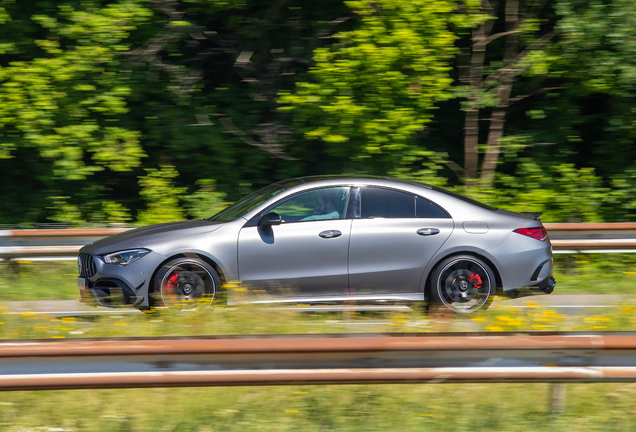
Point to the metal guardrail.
(65, 243)
(321, 359)
(593, 237)
(49, 243)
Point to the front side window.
(252, 201)
(317, 204)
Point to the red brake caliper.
(172, 282)
(476, 280)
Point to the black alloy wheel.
(463, 284)
(186, 286)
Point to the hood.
(146, 236)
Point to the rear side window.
(426, 209)
(389, 203)
(386, 203)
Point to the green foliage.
(561, 192)
(161, 196)
(95, 94)
(65, 212)
(377, 86)
(596, 61)
(58, 102)
(114, 212)
(599, 36)
(421, 165)
(205, 201)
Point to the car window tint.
(426, 209)
(317, 204)
(386, 203)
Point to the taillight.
(536, 233)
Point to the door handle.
(330, 234)
(427, 231)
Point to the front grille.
(86, 265)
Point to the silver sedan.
(326, 239)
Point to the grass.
(38, 280)
(595, 274)
(406, 407)
(260, 319)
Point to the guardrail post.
(558, 398)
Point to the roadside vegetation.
(139, 112)
(414, 407)
(576, 274)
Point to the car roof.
(308, 179)
(378, 180)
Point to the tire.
(463, 284)
(186, 286)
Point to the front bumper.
(109, 293)
(116, 286)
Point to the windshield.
(252, 201)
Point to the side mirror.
(271, 218)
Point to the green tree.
(206, 201)
(61, 95)
(376, 87)
(161, 196)
(518, 23)
(66, 103)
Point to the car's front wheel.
(463, 284)
(186, 285)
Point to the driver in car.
(324, 209)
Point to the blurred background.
(140, 112)
(134, 112)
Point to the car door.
(396, 235)
(306, 255)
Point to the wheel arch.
(484, 258)
(204, 258)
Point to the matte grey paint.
(293, 259)
(475, 227)
(371, 259)
(386, 256)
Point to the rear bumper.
(546, 286)
(521, 261)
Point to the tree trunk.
(471, 141)
(495, 133)
(474, 78)
(497, 122)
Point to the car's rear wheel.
(186, 286)
(463, 284)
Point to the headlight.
(125, 257)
